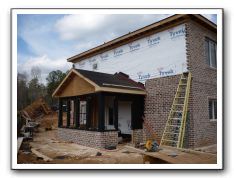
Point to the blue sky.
(46, 41)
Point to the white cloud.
(83, 26)
(75, 26)
(46, 65)
(94, 29)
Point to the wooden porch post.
(101, 110)
(60, 113)
(116, 112)
(68, 112)
(77, 112)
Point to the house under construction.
(159, 82)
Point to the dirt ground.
(46, 142)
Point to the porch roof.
(80, 82)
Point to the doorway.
(124, 120)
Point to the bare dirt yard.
(46, 143)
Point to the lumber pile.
(36, 109)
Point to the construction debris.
(40, 155)
(35, 110)
(48, 146)
(19, 142)
(151, 146)
(99, 154)
(177, 156)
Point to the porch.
(99, 118)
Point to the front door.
(124, 119)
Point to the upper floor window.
(210, 47)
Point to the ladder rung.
(179, 104)
(183, 84)
(171, 133)
(176, 118)
(173, 125)
(169, 140)
(180, 97)
(178, 111)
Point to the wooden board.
(19, 143)
(45, 158)
(183, 156)
(75, 86)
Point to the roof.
(79, 82)
(117, 80)
(142, 32)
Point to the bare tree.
(36, 73)
(22, 90)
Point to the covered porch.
(96, 108)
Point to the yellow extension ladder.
(174, 131)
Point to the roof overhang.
(75, 84)
(143, 32)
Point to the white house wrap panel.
(158, 55)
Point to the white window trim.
(211, 65)
(213, 109)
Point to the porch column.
(60, 113)
(88, 112)
(137, 112)
(134, 114)
(68, 112)
(116, 112)
(77, 112)
(101, 110)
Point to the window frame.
(213, 100)
(83, 115)
(212, 63)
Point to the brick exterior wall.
(137, 136)
(89, 138)
(160, 95)
(204, 85)
(200, 131)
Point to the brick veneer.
(204, 85)
(200, 130)
(137, 136)
(160, 95)
(89, 138)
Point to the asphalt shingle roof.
(117, 80)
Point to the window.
(83, 113)
(213, 109)
(210, 49)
